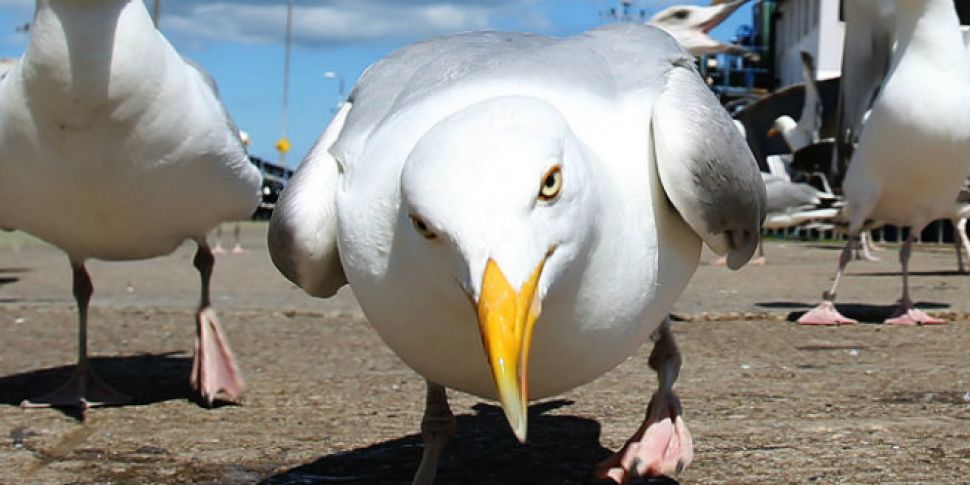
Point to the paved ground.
(767, 401)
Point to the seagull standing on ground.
(911, 159)
(517, 214)
(114, 147)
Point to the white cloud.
(333, 22)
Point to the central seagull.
(517, 214)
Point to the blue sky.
(241, 43)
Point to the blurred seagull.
(805, 132)
(113, 147)
(517, 214)
(959, 216)
(690, 25)
(911, 158)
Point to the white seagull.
(959, 216)
(690, 25)
(911, 159)
(517, 214)
(805, 131)
(113, 147)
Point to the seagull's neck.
(929, 29)
(88, 52)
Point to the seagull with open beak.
(692, 24)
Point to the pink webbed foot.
(662, 445)
(84, 389)
(237, 250)
(218, 249)
(214, 368)
(867, 257)
(906, 315)
(722, 261)
(759, 261)
(825, 314)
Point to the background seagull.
(911, 159)
(805, 131)
(690, 25)
(114, 147)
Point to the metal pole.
(156, 11)
(286, 76)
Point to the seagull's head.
(782, 124)
(499, 198)
(694, 17)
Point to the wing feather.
(706, 168)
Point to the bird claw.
(911, 316)
(83, 390)
(825, 314)
(661, 447)
(213, 367)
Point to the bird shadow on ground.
(899, 274)
(147, 378)
(5, 275)
(560, 450)
(862, 312)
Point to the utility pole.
(156, 11)
(625, 14)
(283, 145)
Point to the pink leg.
(237, 248)
(436, 428)
(84, 389)
(213, 367)
(961, 242)
(760, 260)
(662, 445)
(866, 246)
(907, 314)
(826, 313)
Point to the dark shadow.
(899, 274)
(871, 313)
(7, 279)
(561, 450)
(14, 270)
(147, 378)
(784, 304)
(828, 247)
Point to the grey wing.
(302, 235)
(706, 168)
(866, 57)
(783, 195)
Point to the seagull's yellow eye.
(422, 227)
(551, 183)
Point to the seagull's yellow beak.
(506, 318)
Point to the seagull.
(866, 58)
(959, 216)
(805, 132)
(911, 158)
(690, 24)
(790, 204)
(517, 214)
(114, 147)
